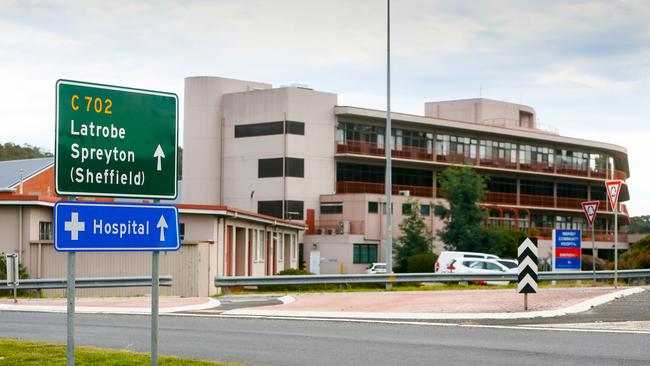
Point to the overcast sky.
(583, 65)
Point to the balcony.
(535, 200)
(429, 155)
(379, 188)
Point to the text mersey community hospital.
(271, 175)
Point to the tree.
(416, 237)
(11, 151)
(639, 224)
(464, 189)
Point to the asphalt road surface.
(299, 342)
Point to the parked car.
(376, 268)
(446, 257)
(480, 265)
(510, 263)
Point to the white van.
(446, 257)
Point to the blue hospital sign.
(115, 227)
(567, 251)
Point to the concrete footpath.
(412, 305)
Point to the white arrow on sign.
(162, 225)
(159, 154)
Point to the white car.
(446, 257)
(480, 265)
(376, 268)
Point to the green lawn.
(28, 353)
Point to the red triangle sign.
(613, 190)
(591, 208)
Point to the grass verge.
(29, 353)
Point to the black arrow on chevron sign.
(527, 253)
(527, 289)
(527, 271)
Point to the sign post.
(13, 272)
(527, 269)
(567, 250)
(613, 190)
(591, 209)
(114, 141)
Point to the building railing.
(546, 233)
(540, 201)
(228, 282)
(428, 154)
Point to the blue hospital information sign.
(115, 227)
(567, 250)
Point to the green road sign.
(114, 141)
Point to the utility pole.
(389, 177)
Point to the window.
(364, 253)
(456, 148)
(571, 190)
(425, 210)
(270, 208)
(280, 245)
(295, 167)
(406, 208)
(331, 208)
(293, 210)
(355, 132)
(268, 168)
(498, 153)
(572, 160)
(377, 174)
(181, 230)
(269, 128)
(373, 207)
(261, 240)
(536, 157)
(45, 230)
(502, 184)
(536, 187)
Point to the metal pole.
(70, 292)
(525, 302)
(616, 245)
(70, 284)
(154, 307)
(155, 282)
(593, 253)
(389, 176)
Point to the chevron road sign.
(527, 257)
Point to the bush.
(421, 263)
(22, 275)
(601, 264)
(294, 272)
(638, 257)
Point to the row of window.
(291, 210)
(335, 208)
(376, 174)
(454, 145)
(273, 167)
(543, 188)
(270, 128)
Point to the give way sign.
(613, 190)
(591, 208)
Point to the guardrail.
(419, 277)
(88, 282)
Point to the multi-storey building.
(293, 153)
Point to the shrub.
(638, 256)
(421, 263)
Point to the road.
(299, 342)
